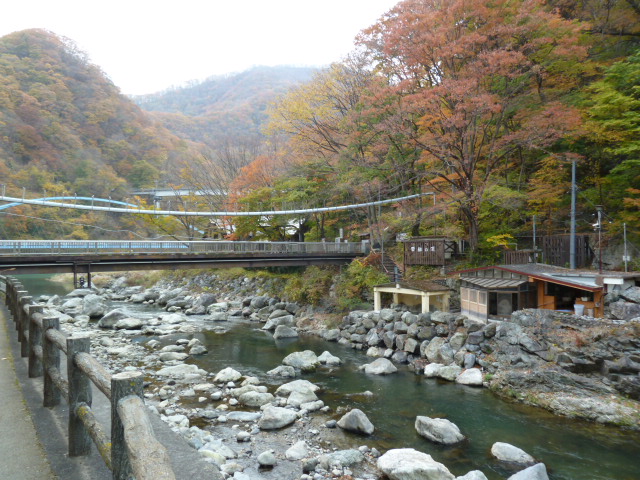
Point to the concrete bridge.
(82, 257)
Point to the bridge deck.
(79, 256)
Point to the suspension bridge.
(82, 257)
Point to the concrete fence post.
(50, 358)
(79, 392)
(23, 329)
(122, 385)
(16, 310)
(35, 340)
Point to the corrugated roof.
(494, 282)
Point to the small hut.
(427, 295)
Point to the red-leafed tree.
(479, 82)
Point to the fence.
(132, 449)
(79, 247)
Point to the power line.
(46, 203)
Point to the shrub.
(310, 286)
(355, 284)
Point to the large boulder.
(326, 358)
(473, 475)
(283, 331)
(439, 351)
(181, 371)
(631, 294)
(227, 375)
(471, 377)
(306, 361)
(535, 472)
(409, 464)
(255, 399)
(509, 453)
(296, 386)
(94, 306)
(438, 430)
(128, 323)
(380, 366)
(276, 417)
(72, 306)
(298, 397)
(285, 320)
(356, 421)
(340, 459)
(111, 318)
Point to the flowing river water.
(571, 449)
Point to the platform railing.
(131, 450)
(80, 247)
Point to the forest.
(483, 107)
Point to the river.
(571, 449)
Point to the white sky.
(145, 46)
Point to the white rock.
(284, 331)
(276, 417)
(306, 361)
(409, 464)
(328, 359)
(471, 377)
(473, 475)
(432, 370)
(356, 421)
(227, 375)
(296, 385)
(267, 459)
(438, 430)
(380, 366)
(536, 472)
(297, 451)
(509, 453)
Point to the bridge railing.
(79, 247)
(131, 449)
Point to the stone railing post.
(25, 300)
(79, 392)
(16, 308)
(50, 358)
(122, 385)
(35, 340)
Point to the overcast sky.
(145, 46)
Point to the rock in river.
(276, 417)
(438, 430)
(508, 453)
(356, 421)
(381, 366)
(536, 472)
(307, 361)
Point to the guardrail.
(131, 449)
(79, 247)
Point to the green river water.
(571, 449)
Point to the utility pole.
(626, 258)
(599, 209)
(535, 247)
(572, 238)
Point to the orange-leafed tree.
(480, 82)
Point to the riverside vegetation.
(572, 366)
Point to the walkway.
(21, 455)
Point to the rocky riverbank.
(571, 365)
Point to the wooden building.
(435, 251)
(497, 291)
